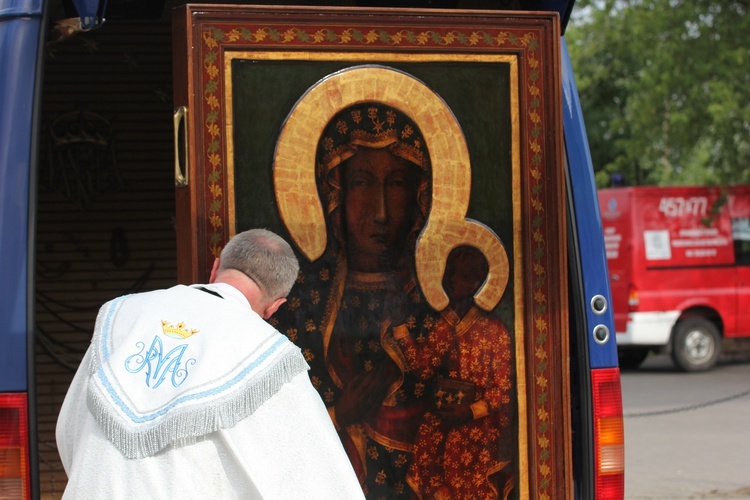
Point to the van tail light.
(15, 475)
(633, 299)
(609, 436)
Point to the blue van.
(89, 160)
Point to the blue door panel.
(588, 220)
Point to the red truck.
(679, 267)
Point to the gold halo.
(297, 195)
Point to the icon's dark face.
(380, 207)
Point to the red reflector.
(609, 435)
(15, 480)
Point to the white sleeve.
(72, 414)
(290, 448)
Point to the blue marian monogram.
(157, 365)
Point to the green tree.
(665, 89)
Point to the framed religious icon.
(414, 160)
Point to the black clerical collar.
(212, 292)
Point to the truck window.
(741, 238)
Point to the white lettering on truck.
(612, 242)
(678, 206)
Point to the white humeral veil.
(164, 370)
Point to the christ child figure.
(463, 446)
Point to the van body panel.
(587, 220)
(20, 25)
(21, 47)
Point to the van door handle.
(180, 175)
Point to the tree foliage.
(665, 89)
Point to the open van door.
(21, 45)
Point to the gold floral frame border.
(549, 479)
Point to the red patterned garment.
(464, 445)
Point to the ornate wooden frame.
(209, 39)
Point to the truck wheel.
(631, 358)
(696, 344)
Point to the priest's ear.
(271, 309)
(214, 271)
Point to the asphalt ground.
(687, 435)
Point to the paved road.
(687, 435)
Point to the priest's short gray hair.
(264, 257)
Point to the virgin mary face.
(380, 208)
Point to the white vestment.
(183, 394)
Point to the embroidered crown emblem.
(177, 331)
